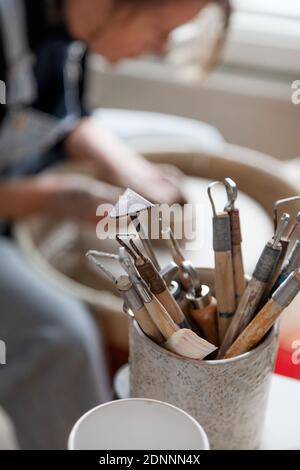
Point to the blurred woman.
(55, 367)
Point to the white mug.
(137, 424)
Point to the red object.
(284, 365)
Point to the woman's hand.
(118, 164)
(77, 196)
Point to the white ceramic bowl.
(137, 424)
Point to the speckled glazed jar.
(227, 397)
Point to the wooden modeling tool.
(130, 296)
(202, 305)
(256, 288)
(285, 242)
(156, 282)
(131, 205)
(236, 239)
(177, 255)
(292, 263)
(224, 277)
(156, 310)
(265, 319)
(181, 341)
(187, 344)
(134, 302)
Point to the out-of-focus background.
(239, 119)
(247, 101)
(247, 97)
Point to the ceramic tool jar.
(227, 397)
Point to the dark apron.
(46, 88)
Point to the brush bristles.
(186, 343)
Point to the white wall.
(255, 113)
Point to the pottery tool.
(133, 301)
(130, 296)
(202, 305)
(131, 205)
(256, 287)
(181, 341)
(236, 239)
(292, 263)
(265, 319)
(295, 225)
(187, 344)
(156, 310)
(152, 277)
(177, 254)
(286, 238)
(169, 272)
(224, 277)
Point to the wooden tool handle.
(186, 343)
(224, 290)
(172, 307)
(253, 294)
(161, 318)
(244, 314)
(147, 325)
(256, 330)
(134, 302)
(238, 272)
(207, 320)
(151, 276)
(160, 290)
(237, 257)
(235, 226)
(277, 268)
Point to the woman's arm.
(61, 195)
(19, 198)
